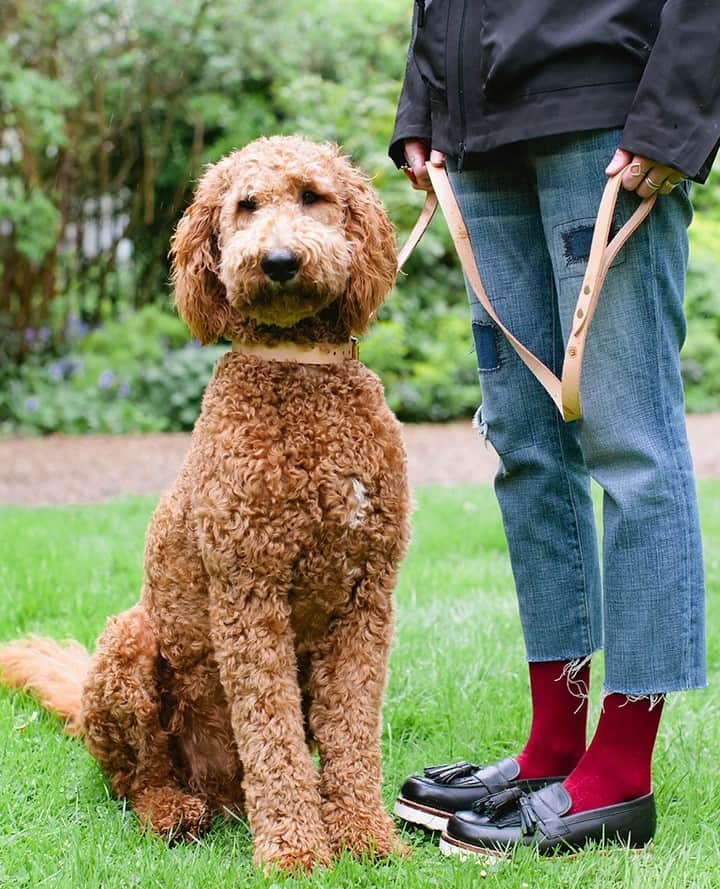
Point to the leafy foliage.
(108, 112)
(701, 355)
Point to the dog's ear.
(373, 260)
(199, 293)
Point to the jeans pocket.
(486, 336)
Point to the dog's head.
(277, 232)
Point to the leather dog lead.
(424, 220)
(565, 391)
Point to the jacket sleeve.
(675, 116)
(412, 120)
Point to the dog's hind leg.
(121, 719)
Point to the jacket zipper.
(461, 89)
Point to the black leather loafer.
(430, 799)
(511, 818)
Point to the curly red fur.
(373, 263)
(346, 244)
(53, 673)
(265, 617)
(199, 294)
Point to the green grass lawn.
(457, 689)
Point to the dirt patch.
(88, 469)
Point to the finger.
(620, 159)
(422, 180)
(652, 181)
(416, 154)
(409, 173)
(635, 172)
(674, 179)
(418, 177)
(437, 158)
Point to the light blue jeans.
(529, 209)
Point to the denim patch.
(576, 243)
(486, 335)
(574, 240)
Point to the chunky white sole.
(487, 858)
(416, 815)
(493, 858)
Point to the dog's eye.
(247, 204)
(310, 197)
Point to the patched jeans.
(529, 210)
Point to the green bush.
(172, 391)
(701, 354)
(59, 398)
(95, 385)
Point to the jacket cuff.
(397, 146)
(693, 156)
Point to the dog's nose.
(280, 265)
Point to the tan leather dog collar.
(318, 353)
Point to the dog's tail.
(52, 673)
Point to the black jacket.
(484, 73)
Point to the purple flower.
(123, 390)
(64, 369)
(194, 344)
(43, 334)
(106, 379)
(75, 328)
(30, 334)
(31, 404)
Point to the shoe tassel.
(448, 773)
(497, 804)
(528, 818)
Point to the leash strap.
(426, 215)
(602, 256)
(564, 391)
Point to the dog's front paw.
(362, 833)
(291, 858)
(290, 844)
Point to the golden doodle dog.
(265, 616)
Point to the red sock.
(559, 691)
(616, 765)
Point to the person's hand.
(416, 155)
(643, 176)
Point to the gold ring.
(651, 184)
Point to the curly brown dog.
(265, 616)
